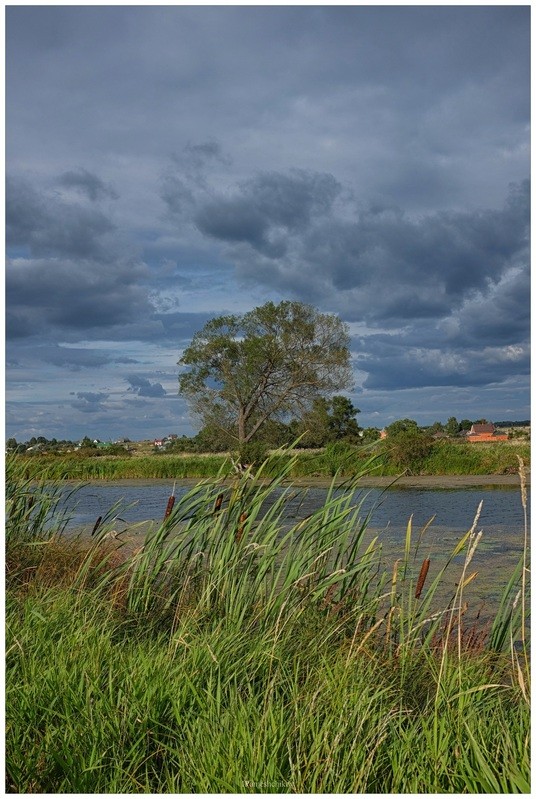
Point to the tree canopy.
(269, 363)
(330, 420)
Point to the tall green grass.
(445, 457)
(450, 458)
(240, 651)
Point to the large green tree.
(243, 370)
(330, 420)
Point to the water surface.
(452, 511)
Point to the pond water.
(453, 511)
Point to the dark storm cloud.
(266, 205)
(384, 265)
(395, 267)
(144, 388)
(72, 295)
(73, 274)
(87, 183)
(502, 315)
(454, 280)
(47, 226)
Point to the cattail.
(218, 503)
(422, 577)
(96, 525)
(170, 503)
(240, 531)
(329, 594)
(169, 507)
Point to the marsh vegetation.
(345, 460)
(232, 652)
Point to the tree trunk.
(241, 427)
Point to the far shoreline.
(446, 481)
(438, 481)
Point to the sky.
(169, 164)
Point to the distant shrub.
(407, 448)
(254, 452)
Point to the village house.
(485, 432)
(163, 443)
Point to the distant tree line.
(84, 446)
(327, 422)
(39, 443)
(524, 423)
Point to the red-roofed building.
(485, 432)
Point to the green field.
(230, 654)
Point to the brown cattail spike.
(169, 508)
(218, 503)
(240, 531)
(422, 577)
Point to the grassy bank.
(444, 458)
(233, 654)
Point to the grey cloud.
(272, 199)
(202, 153)
(358, 89)
(75, 272)
(285, 230)
(416, 368)
(18, 325)
(500, 315)
(264, 205)
(182, 182)
(144, 388)
(76, 358)
(90, 396)
(423, 111)
(177, 194)
(387, 266)
(181, 326)
(291, 200)
(233, 220)
(47, 226)
(89, 184)
(425, 354)
(75, 295)
(89, 402)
